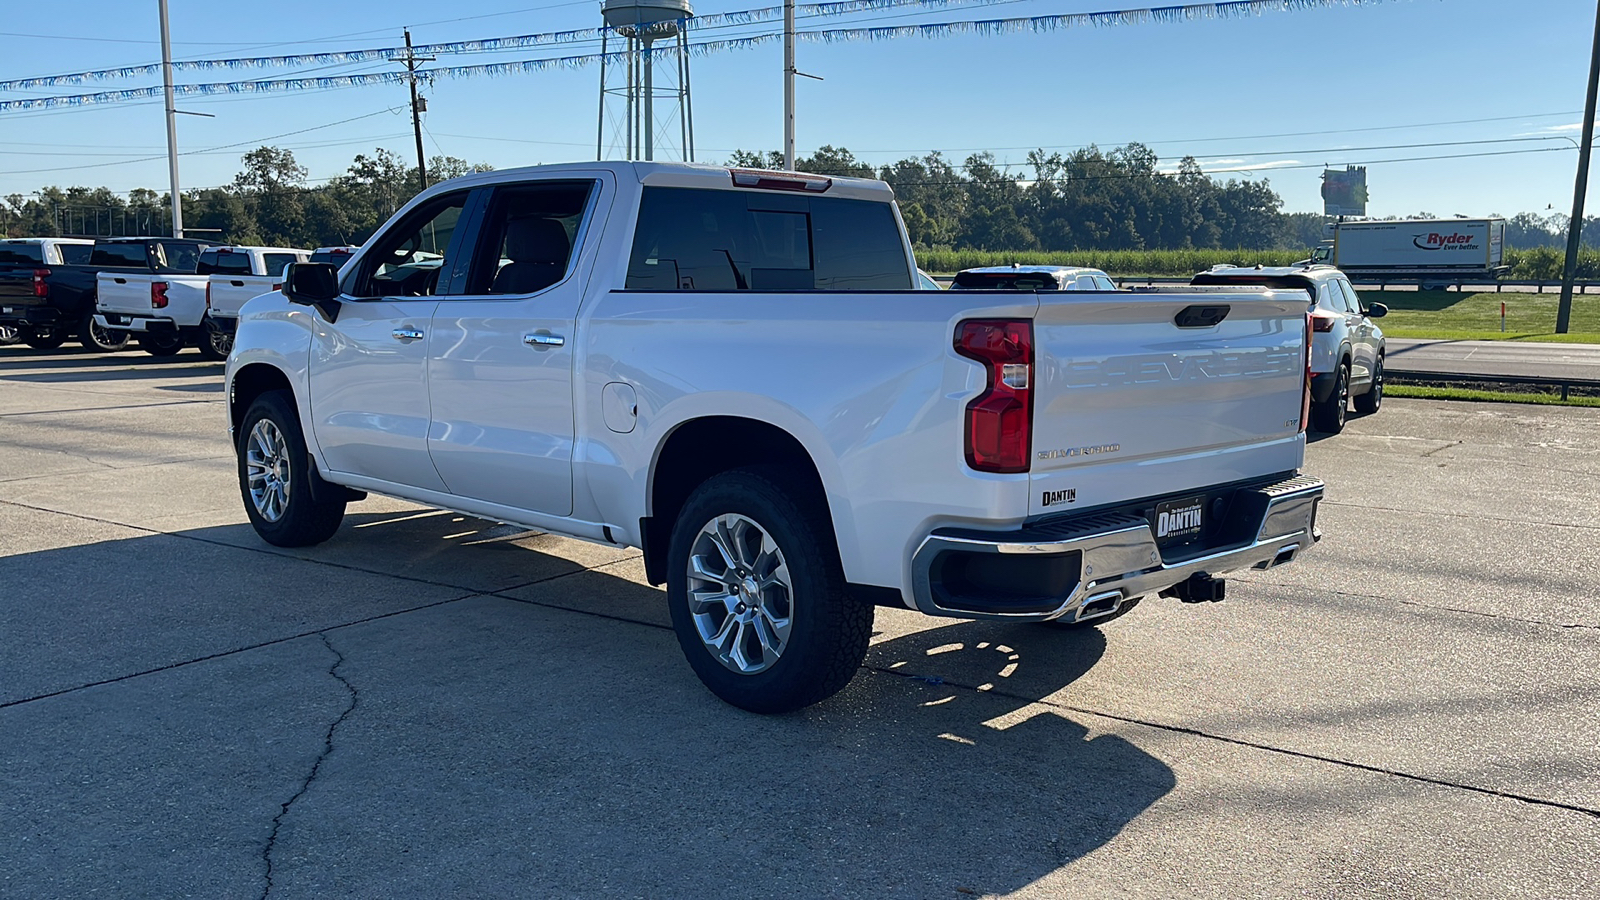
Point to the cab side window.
(407, 259)
(529, 237)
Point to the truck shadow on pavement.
(547, 733)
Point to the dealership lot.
(432, 705)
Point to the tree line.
(1089, 199)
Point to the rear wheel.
(43, 337)
(275, 476)
(94, 336)
(9, 335)
(215, 342)
(758, 596)
(1329, 415)
(160, 344)
(1368, 403)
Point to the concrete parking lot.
(435, 706)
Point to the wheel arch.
(699, 448)
(250, 382)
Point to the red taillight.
(40, 288)
(1322, 322)
(999, 422)
(158, 295)
(1305, 394)
(208, 295)
(277, 285)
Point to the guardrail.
(1566, 383)
(1581, 287)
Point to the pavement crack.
(1258, 745)
(1450, 515)
(1442, 449)
(316, 767)
(1434, 606)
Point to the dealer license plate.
(1179, 521)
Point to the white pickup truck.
(168, 311)
(731, 370)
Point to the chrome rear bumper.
(1053, 569)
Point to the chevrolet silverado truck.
(171, 310)
(234, 276)
(732, 370)
(50, 303)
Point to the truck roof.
(693, 175)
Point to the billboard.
(1344, 193)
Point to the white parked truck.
(733, 371)
(1433, 252)
(168, 311)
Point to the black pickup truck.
(48, 304)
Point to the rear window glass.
(223, 262)
(709, 240)
(123, 255)
(21, 254)
(1005, 281)
(336, 257)
(277, 262)
(179, 257)
(75, 254)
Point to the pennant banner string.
(1036, 24)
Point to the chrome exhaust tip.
(1098, 606)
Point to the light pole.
(788, 85)
(1575, 228)
(172, 123)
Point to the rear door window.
(75, 254)
(1352, 303)
(710, 240)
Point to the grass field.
(1450, 393)
(1461, 316)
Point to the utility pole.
(788, 85)
(419, 105)
(172, 123)
(1575, 227)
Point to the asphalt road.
(1491, 358)
(432, 706)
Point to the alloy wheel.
(741, 596)
(267, 466)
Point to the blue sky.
(1280, 94)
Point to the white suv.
(1347, 347)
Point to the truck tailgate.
(1129, 404)
(230, 292)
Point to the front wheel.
(275, 476)
(93, 336)
(215, 342)
(758, 596)
(1372, 400)
(160, 344)
(1329, 415)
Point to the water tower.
(632, 76)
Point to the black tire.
(160, 344)
(101, 340)
(43, 338)
(1328, 416)
(215, 342)
(301, 519)
(1064, 625)
(828, 629)
(1372, 400)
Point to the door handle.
(407, 334)
(544, 339)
